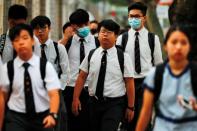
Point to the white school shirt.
(114, 85)
(145, 51)
(74, 55)
(51, 57)
(172, 86)
(41, 99)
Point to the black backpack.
(120, 58)
(159, 79)
(62, 113)
(151, 41)
(67, 46)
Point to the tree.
(184, 12)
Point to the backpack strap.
(68, 44)
(89, 57)
(2, 43)
(158, 80)
(10, 69)
(57, 60)
(120, 54)
(97, 43)
(151, 41)
(124, 40)
(193, 67)
(43, 63)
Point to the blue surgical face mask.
(83, 32)
(135, 23)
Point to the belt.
(39, 114)
(108, 98)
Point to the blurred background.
(59, 10)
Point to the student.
(109, 82)
(77, 47)
(68, 32)
(94, 27)
(50, 50)
(17, 14)
(143, 48)
(166, 97)
(32, 105)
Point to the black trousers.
(138, 104)
(106, 115)
(20, 122)
(80, 122)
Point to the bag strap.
(57, 60)
(124, 40)
(120, 54)
(2, 43)
(193, 67)
(158, 80)
(89, 57)
(10, 68)
(68, 44)
(97, 43)
(151, 41)
(43, 63)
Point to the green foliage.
(114, 2)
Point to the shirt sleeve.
(150, 80)
(128, 66)
(157, 51)
(64, 64)
(119, 40)
(84, 64)
(51, 78)
(4, 80)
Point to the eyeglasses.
(106, 32)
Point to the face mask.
(83, 32)
(135, 23)
(93, 31)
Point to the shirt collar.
(20, 62)
(109, 51)
(87, 38)
(49, 41)
(141, 32)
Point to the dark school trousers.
(106, 115)
(80, 122)
(15, 121)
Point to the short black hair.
(138, 5)
(16, 30)
(110, 25)
(78, 17)
(17, 12)
(66, 25)
(94, 21)
(40, 21)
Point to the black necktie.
(82, 50)
(43, 55)
(29, 100)
(101, 77)
(137, 54)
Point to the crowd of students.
(103, 80)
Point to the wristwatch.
(54, 115)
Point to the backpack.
(120, 54)
(67, 46)
(159, 79)
(151, 41)
(62, 113)
(57, 59)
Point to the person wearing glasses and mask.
(143, 48)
